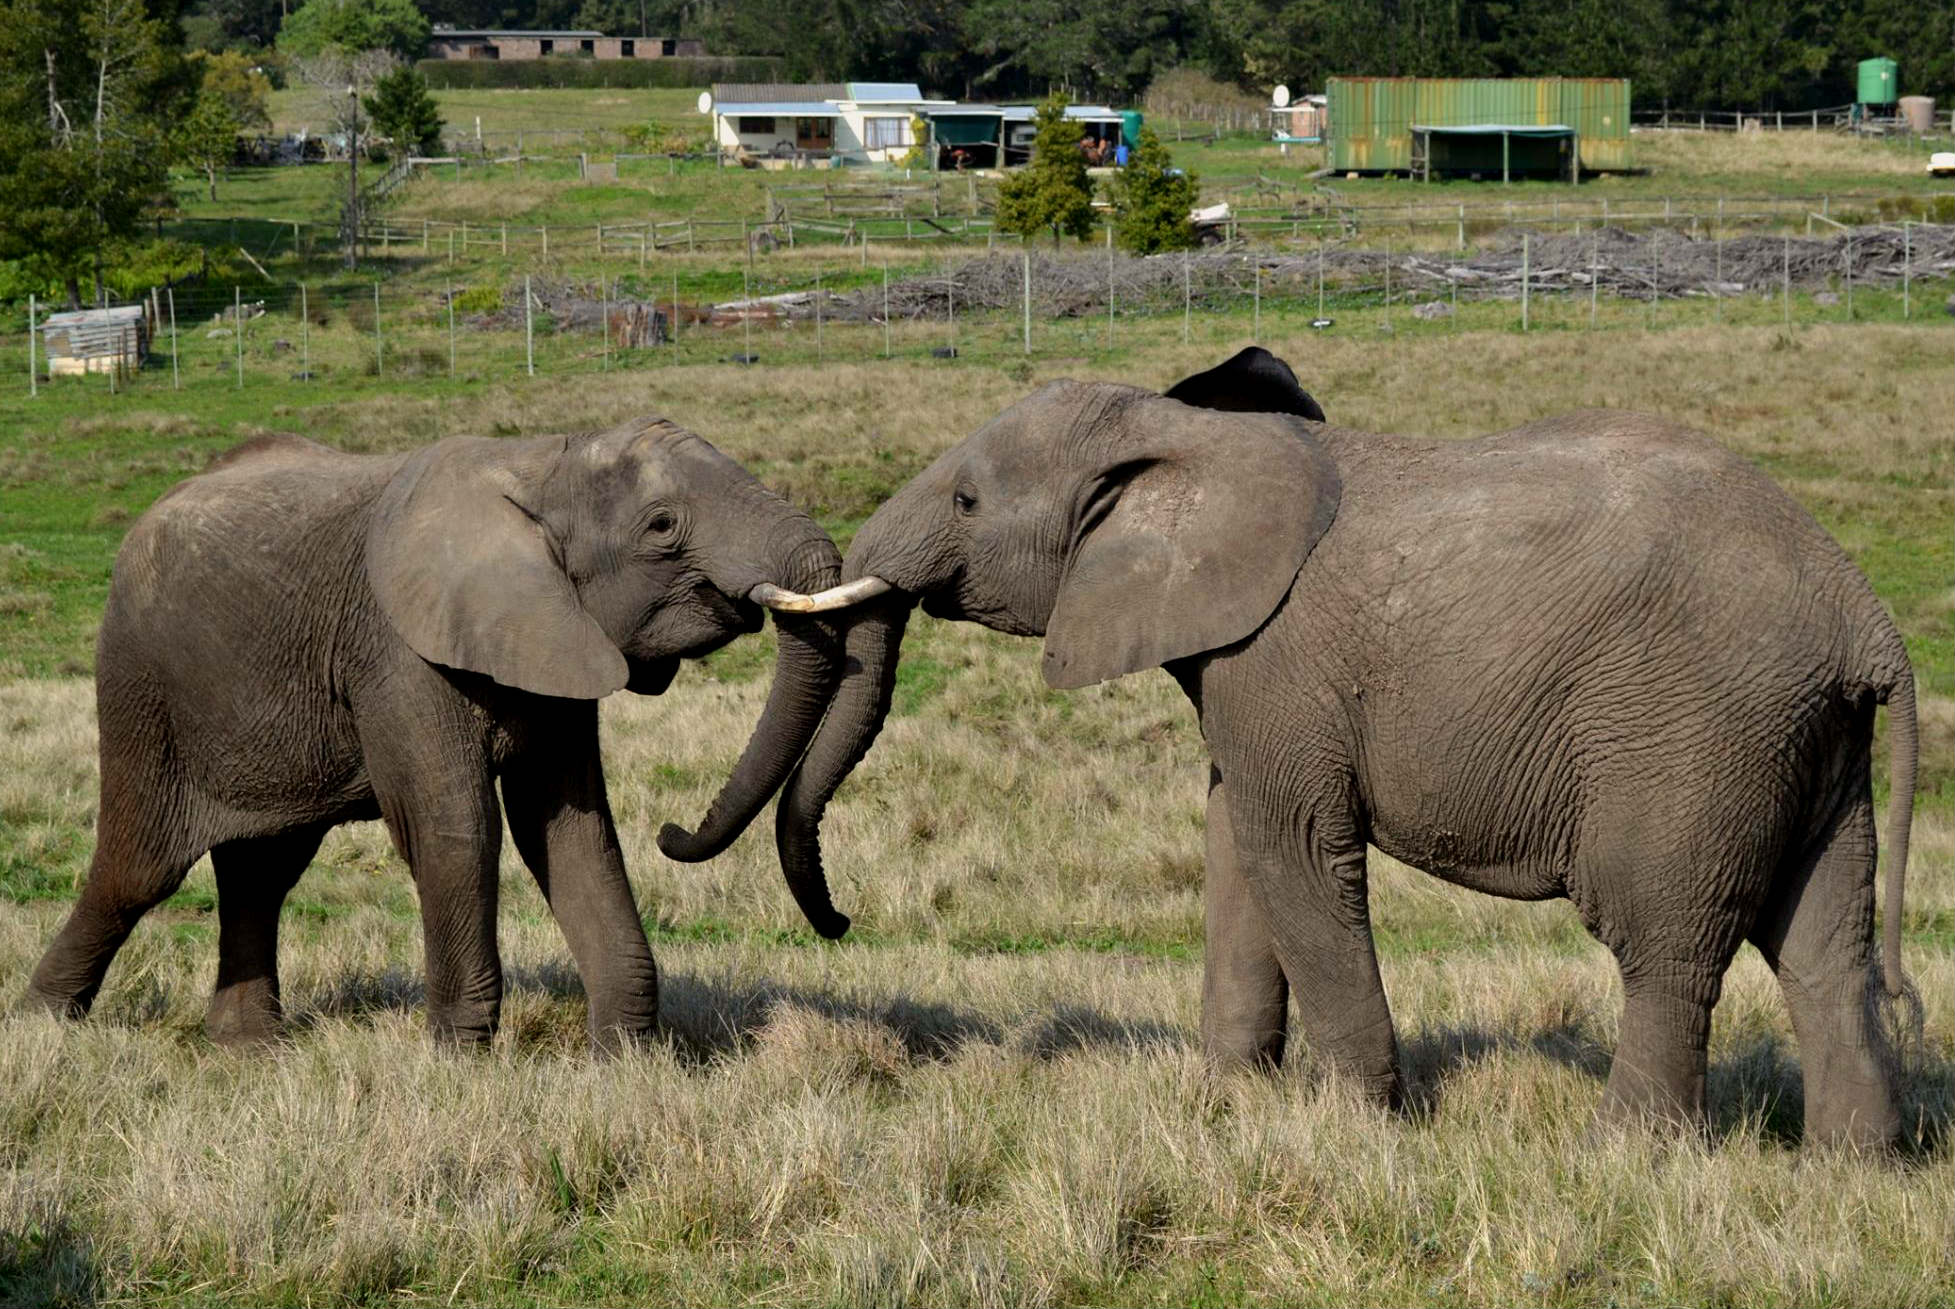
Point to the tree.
(208, 138)
(1052, 193)
(351, 25)
(404, 112)
(235, 77)
(1151, 198)
(88, 92)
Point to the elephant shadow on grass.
(710, 1017)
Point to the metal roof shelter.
(78, 341)
(1473, 147)
(1371, 118)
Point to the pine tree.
(1151, 199)
(403, 111)
(1051, 193)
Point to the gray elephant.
(1597, 657)
(299, 637)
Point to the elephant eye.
(965, 501)
(661, 522)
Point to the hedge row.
(574, 71)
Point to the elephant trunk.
(806, 673)
(854, 718)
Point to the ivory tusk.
(835, 597)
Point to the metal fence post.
(1256, 314)
(1594, 277)
(1524, 279)
(1109, 286)
(675, 317)
(237, 328)
(176, 377)
(451, 331)
(379, 341)
(1187, 299)
(1846, 257)
(604, 317)
(1907, 272)
(1717, 278)
(1320, 274)
(33, 334)
(817, 317)
(1027, 255)
(529, 334)
(1785, 286)
(746, 316)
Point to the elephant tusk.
(821, 602)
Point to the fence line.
(529, 322)
(1276, 225)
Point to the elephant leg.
(253, 878)
(1245, 997)
(1816, 932)
(1305, 867)
(432, 779)
(138, 863)
(562, 825)
(1657, 1074)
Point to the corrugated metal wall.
(1371, 117)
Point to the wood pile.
(1660, 265)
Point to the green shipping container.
(1371, 118)
(1880, 81)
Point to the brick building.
(456, 43)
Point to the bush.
(404, 112)
(1052, 193)
(593, 74)
(1152, 198)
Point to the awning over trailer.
(966, 128)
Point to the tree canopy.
(1152, 199)
(404, 112)
(89, 92)
(348, 25)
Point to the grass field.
(991, 1093)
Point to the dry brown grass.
(991, 1093)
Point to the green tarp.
(965, 129)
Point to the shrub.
(1052, 193)
(404, 112)
(1152, 198)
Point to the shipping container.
(1371, 118)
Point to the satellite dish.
(1280, 97)
(705, 102)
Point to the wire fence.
(791, 223)
(492, 324)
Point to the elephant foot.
(245, 1017)
(462, 1032)
(621, 1037)
(68, 1007)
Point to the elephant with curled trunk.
(1596, 657)
(300, 637)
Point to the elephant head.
(1129, 529)
(579, 566)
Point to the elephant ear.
(1253, 381)
(470, 579)
(1186, 540)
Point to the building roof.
(885, 93)
(779, 109)
(452, 32)
(762, 92)
(1484, 129)
(1074, 113)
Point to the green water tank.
(1130, 127)
(1880, 81)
